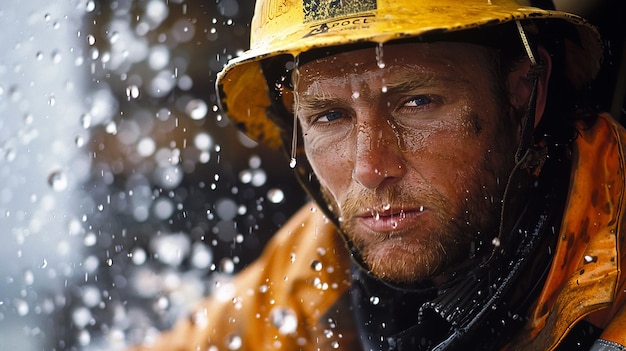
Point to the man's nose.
(378, 158)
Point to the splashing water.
(294, 137)
(284, 319)
(379, 56)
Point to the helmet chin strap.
(528, 127)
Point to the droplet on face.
(379, 56)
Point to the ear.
(520, 86)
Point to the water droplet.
(91, 296)
(227, 266)
(80, 141)
(374, 300)
(201, 257)
(495, 242)
(29, 277)
(56, 56)
(162, 304)
(81, 317)
(171, 249)
(259, 177)
(111, 128)
(316, 265)
(90, 6)
(58, 181)
(90, 239)
(196, 109)
(328, 333)
(285, 319)
(132, 92)
(275, 195)
(86, 120)
(146, 147)
(292, 162)
(379, 56)
(590, 259)
(21, 307)
(203, 141)
(234, 342)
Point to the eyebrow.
(399, 81)
(316, 101)
(397, 84)
(403, 80)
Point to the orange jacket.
(290, 297)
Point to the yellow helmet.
(292, 27)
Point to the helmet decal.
(319, 10)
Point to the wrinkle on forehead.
(316, 91)
(444, 56)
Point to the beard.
(452, 235)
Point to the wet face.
(412, 147)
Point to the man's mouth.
(390, 219)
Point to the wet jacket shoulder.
(278, 301)
(586, 280)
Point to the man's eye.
(329, 116)
(417, 101)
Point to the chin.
(404, 265)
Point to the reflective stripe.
(606, 345)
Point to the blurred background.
(124, 192)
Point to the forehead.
(389, 61)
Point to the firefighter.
(464, 196)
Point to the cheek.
(331, 164)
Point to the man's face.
(412, 147)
